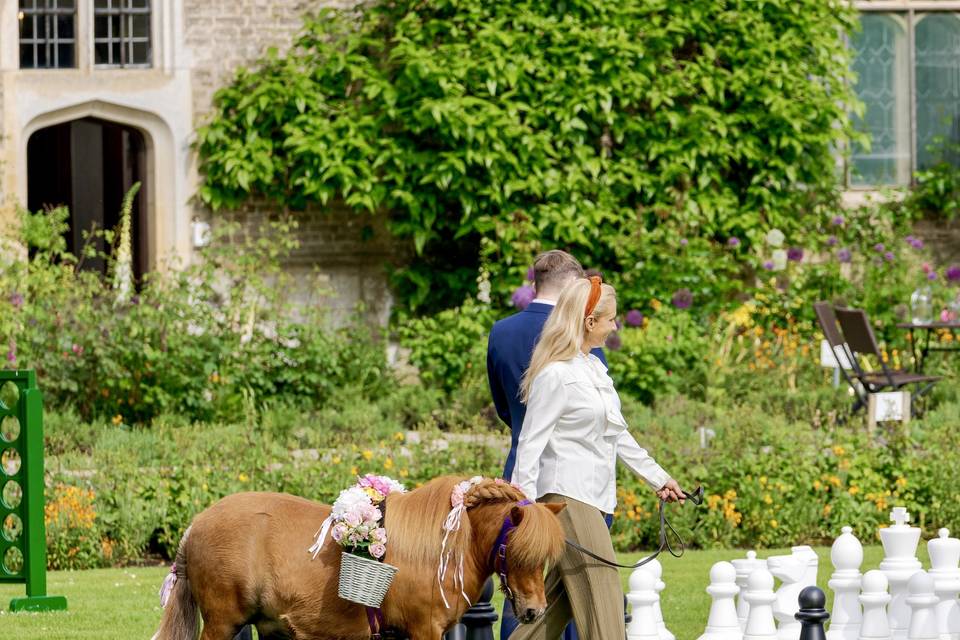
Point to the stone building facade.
(97, 94)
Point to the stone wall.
(343, 256)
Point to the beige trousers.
(580, 587)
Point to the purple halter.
(498, 555)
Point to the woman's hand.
(671, 492)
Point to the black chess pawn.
(812, 615)
(479, 618)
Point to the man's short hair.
(552, 268)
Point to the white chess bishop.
(796, 571)
(846, 554)
(745, 567)
(899, 563)
(723, 623)
(944, 554)
(874, 598)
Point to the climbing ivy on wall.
(642, 135)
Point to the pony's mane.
(415, 523)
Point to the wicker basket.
(364, 581)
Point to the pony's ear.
(516, 515)
(556, 507)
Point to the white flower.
(779, 260)
(775, 238)
(350, 500)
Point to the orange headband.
(594, 296)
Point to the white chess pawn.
(744, 567)
(899, 563)
(846, 554)
(923, 603)
(655, 569)
(759, 595)
(642, 597)
(722, 623)
(876, 624)
(944, 560)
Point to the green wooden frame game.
(23, 544)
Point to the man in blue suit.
(509, 350)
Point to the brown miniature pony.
(245, 561)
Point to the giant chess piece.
(796, 571)
(759, 595)
(655, 569)
(923, 603)
(899, 563)
(944, 560)
(811, 613)
(722, 623)
(846, 554)
(874, 598)
(642, 598)
(744, 567)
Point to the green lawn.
(122, 603)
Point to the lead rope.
(696, 498)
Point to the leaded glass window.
(121, 33)
(908, 77)
(47, 34)
(882, 66)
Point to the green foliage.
(491, 130)
(449, 347)
(215, 339)
(666, 357)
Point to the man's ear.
(556, 507)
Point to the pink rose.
(339, 530)
(380, 535)
(353, 518)
(377, 549)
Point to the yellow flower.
(335, 460)
(117, 419)
(901, 482)
(243, 477)
(398, 436)
(853, 490)
(730, 494)
(763, 481)
(774, 524)
(388, 464)
(404, 473)
(354, 471)
(655, 304)
(816, 485)
(367, 454)
(827, 509)
(767, 499)
(838, 450)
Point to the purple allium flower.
(831, 241)
(733, 241)
(888, 256)
(614, 342)
(932, 276)
(917, 243)
(795, 254)
(683, 242)
(531, 274)
(768, 265)
(634, 318)
(879, 248)
(523, 296)
(844, 255)
(16, 299)
(953, 273)
(682, 299)
(837, 221)
(135, 300)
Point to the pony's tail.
(180, 616)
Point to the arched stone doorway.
(88, 164)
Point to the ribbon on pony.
(320, 536)
(452, 525)
(167, 585)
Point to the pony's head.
(530, 540)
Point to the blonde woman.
(572, 435)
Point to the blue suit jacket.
(508, 355)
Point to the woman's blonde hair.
(562, 335)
